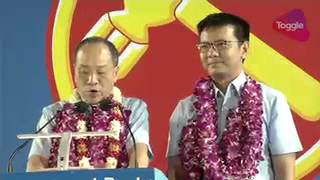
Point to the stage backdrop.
(159, 61)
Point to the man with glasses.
(231, 127)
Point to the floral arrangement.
(99, 152)
(239, 152)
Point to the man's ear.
(75, 72)
(115, 74)
(245, 49)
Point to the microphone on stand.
(81, 107)
(106, 105)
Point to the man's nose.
(93, 79)
(213, 51)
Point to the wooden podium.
(101, 174)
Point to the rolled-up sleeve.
(174, 132)
(139, 123)
(283, 136)
(181, 115)
(42, 146)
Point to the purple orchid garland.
(239, 152)
(95, 148)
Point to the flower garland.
(85, 152)
(239, 152)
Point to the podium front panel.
(102, 174)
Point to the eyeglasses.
(215, 45)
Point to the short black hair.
(241, 26)
(95, 39)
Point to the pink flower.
(239, 152)
(95, 148)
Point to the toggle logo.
(293, 25)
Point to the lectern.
(64, 172)
(101, 174)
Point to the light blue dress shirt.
(279, 132)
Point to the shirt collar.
(236, 84)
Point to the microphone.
(81, 107)
(105, 105)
